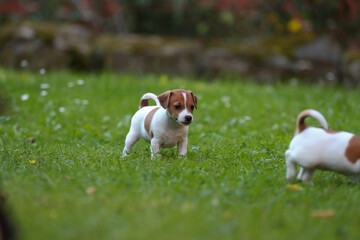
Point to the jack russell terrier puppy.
(322, 149)
(165, 124)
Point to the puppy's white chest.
(170, 137)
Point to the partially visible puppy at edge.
(164, 125)
(315, 148)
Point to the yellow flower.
(293, 187)
(294, 25)
(32, 161)
(163, 79)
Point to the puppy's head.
(180, 104)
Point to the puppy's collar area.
(175, 120)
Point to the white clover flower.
(247, 118)
(44, 86)
(42, 71)
(70, 84)
(25, 97)
(62, 109)
(43, 93)
(226, 101)
(80, 82)
(85, 102)
(57, 127)
(106, 118)
(24, 63)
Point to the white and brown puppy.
(315, 148)
(165, 124)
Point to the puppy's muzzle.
(188, 119)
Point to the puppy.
(165, 124)
(319, 148)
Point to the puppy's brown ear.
(164, 99)
(194, 97)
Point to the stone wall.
(303, 58)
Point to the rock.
(149, 54)
(278, 61)
(222, 61)
(322, 49)
(71, 36)
(25, 32)
(353, 74)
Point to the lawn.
(62, 136)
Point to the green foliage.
(71, 183)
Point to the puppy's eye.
(192, 107)
(177, 106)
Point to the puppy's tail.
(144, 101)
(300, 123)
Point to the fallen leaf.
(327, 213)
(91, 190)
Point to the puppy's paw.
(184, 156)
(308, 183)
(155, 155)
(124, 154)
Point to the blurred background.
(266, 41)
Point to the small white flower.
(70, 84)
(106, 118)
(62, 109)
(294, 81)
(44, 86)
(330, 76)
(85, 102)
(77, 101)
(80, 82)
(57, 127)
(24, 63)
(25, 97)
(226, 101)
(42, 71)
(43, 93)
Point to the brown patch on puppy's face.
(176, 103)
(352, 152)
(180, 104)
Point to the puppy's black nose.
(188, 118)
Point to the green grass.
(231, 185)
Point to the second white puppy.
(321, 149)
(165, 124)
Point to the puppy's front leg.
(155, 148)
(182, 147)
(290, 167)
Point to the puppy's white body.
(316, 148)
(165, 129)
(166, 132)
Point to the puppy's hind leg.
(307, 175)
(131, 138)
(290, 167)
